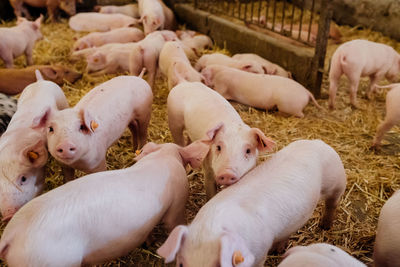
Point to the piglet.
(195, 42)
(23, 152)
(131, 10)
(173, 62)
(13, 81)
(221, 59)
(392, 117)
(8, 106)
(206, 114)
(92, 21)
(19, 40)
(387, 249)
(241, 223)
(259, 90)
(269, 67)
(119, 35)
(52, 7)
(105, 215)
(80, 136)
(318, 255)
(360, 58)
(152, 15)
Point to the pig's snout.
(8, 213)
(227, 178)
(66, 150)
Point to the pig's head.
(393, 74)
(21, 172)
(151, 23)
(32, 26)
(192, 154)
(58, 74)
(95, 62)
(251, 66)
(81, 44)
(69, 134)
(181, 72)
(191, 249)
(234, 152)
(68, 6)
(169, 35)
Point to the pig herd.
(106, 214)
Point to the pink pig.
(119, 35)
(221, 59)
(105, 215)
(23, 152)
(259, 90)
(387, 249)
(241, 223)
(93, 21)
(206, 114)
(392, 117)
(318, 255)
(269, 67)
(195, 41)
(80, 136)
(173, 61)
(360, 58)
(152, 15)
(131, 10)
(19, 40)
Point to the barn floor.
(372, 177)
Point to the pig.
(19, 40)
(206, 114)
(221, 59)
(259, 90)
(173, 59)
(319, 255)
(269, 67)
(195, 42)
(79, 137)
(387, 240)
(52, 7)
(170, 21)
(13, 81)
(92, 21)
(131, 10)
(392, 113)
(359, 58)
(152, 15)
(241, 223)
(8, 106)
(104, 215)
(119, 35)
(23, 152)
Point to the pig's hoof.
(375, 147)
(325, 225)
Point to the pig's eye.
(83, 127)
(248, 151)
(218, 148)
(180, 265)
(23, 180)
(51, 129)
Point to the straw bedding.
(372, 177)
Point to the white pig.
(152, 15)
(131, 10)
(221, 59)
(80, 136)
(23, 152)
(319, 255)
(119, 35)
(93, 21)
(392, 113)
(104, 215)
(19, 40)
(387, 249)
(205, 113)
(360, 58)
(241, 223)
(172, 60)
(269, 67)
(259, 90)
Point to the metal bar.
(245, 11)
(252, 10)
(274, 16)
(259, 11)
(266, 14)
(283, 15)
(311, 19)
(301, 19)
(291, 23)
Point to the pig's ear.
(38, 21)
(171, 246)
(156, 21)
(246, 67)
(97, 57)
(36, 154)
(212, 133)
(263, 142)
(207, 74)
(195, 153)
(88, 120)
(50, 73)
(41, 120)
(233, 252)
(147, 149)
(290, 75)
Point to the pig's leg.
(209, 182)
(8, 59)
(354, 81)
(331, 203)
(374, 79)
(19, 8)
(380, 132)
(150, 62)
(134, 128)
(334, 76)
(143, 124)
(176, 123)
(52, 7)
(69, 173)
(28, 54)
(175, 215)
